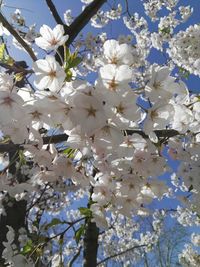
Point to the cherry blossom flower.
(160, 116)
(17, 131)
(3, 30)
(6, 81)
(88, 113)
(49, 74)
(184, 49)
(116, 53)
(51, 39)
(183, 117)
(11, 108)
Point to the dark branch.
(46, 140)
(82, 20)
(120, 253)
(14, 33)
(75, 257)
(55, 139)
(63, 137)
(15, 68)
(90, 245)
(54, 12)
(127, 8)
(159, 133)
(78, 24)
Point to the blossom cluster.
(184, 49)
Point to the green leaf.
(67, 54)
(54, 222)
(79, 233)
(27, 248)
(166, 30)
(75, 62)
(92, 202)
(190, 188)
(61, 240)
(69, 152)
(2, 50)
(9, 60)
(85, 212)
(19, 76)
(184, 73)
(71, 60)
(68, 76)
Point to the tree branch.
(46, 140)
(14, 33)
(82, 20)
(90, 244)
(120, 253)
(78, 24)
(63, 137)
(55, 139)
(159, 133)
(15, 68)
(54, 12)
(75, 257)
(127, 8)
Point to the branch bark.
(120, 253)
(82, 20)
(46, 140)
(16, 214)
(15, 210)
(14, 33)
(63, 137)
(90, 245)
(54, 12)
(75, 257)
(78, 24)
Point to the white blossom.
(51, 39)
(49, 74)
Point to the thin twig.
(75, 257)
(14, 33)
(127, 8)
(37, 200)
(120, 253)
(71, 224)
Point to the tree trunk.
(90, 245)
(15, 210)
(15, 217)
